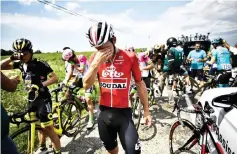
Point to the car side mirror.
(225, 101)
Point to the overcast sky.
(51, 30)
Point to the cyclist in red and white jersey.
(114, 68)
(78, 66)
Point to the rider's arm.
(8, 84)
(6, 64)
(141, 87)
(91, 74)
(53, 78)
(149, 66)
(68, 74)
(213, 58)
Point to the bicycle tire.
(69, 127)
(139, 113)
(136, 106)
(24, 140)
(177, 123)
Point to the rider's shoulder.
(130, 55)
(41, 62)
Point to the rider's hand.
(16, 56)
(102, 56)
(147, 118)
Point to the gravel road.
(154, 139)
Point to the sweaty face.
(26, 56)
(197, 46)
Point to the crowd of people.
(107, 65)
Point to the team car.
(224, 104)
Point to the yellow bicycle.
(66, 117)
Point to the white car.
(224, 116)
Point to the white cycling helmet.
(131, 49)
(100, 33)
(67, 54)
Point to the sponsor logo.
(223, 141)
(111, 72)
(113, 85)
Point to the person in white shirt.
(230, 48)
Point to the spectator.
(230, 48)
(197, 58)
(7, 145)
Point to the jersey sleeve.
(136, 72)
(44, 66)
(16, 65)
(233, 50)
(214, 54)
(204, 54)
(189, 54)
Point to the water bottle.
(27, 82)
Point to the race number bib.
(226, 66)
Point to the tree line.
(10, 52)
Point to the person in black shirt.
(35, 72)
(7, 145)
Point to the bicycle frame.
(58, 131)
(209, 141)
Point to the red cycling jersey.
(114, 79)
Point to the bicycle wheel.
(21, 139)
(151, 98)
(190, 139)
(137, 113)
(71, 117)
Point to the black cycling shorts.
(147, 81)
(113, 121)
(178, 70)
(223, 77)
(197, 73)
(43, 109)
